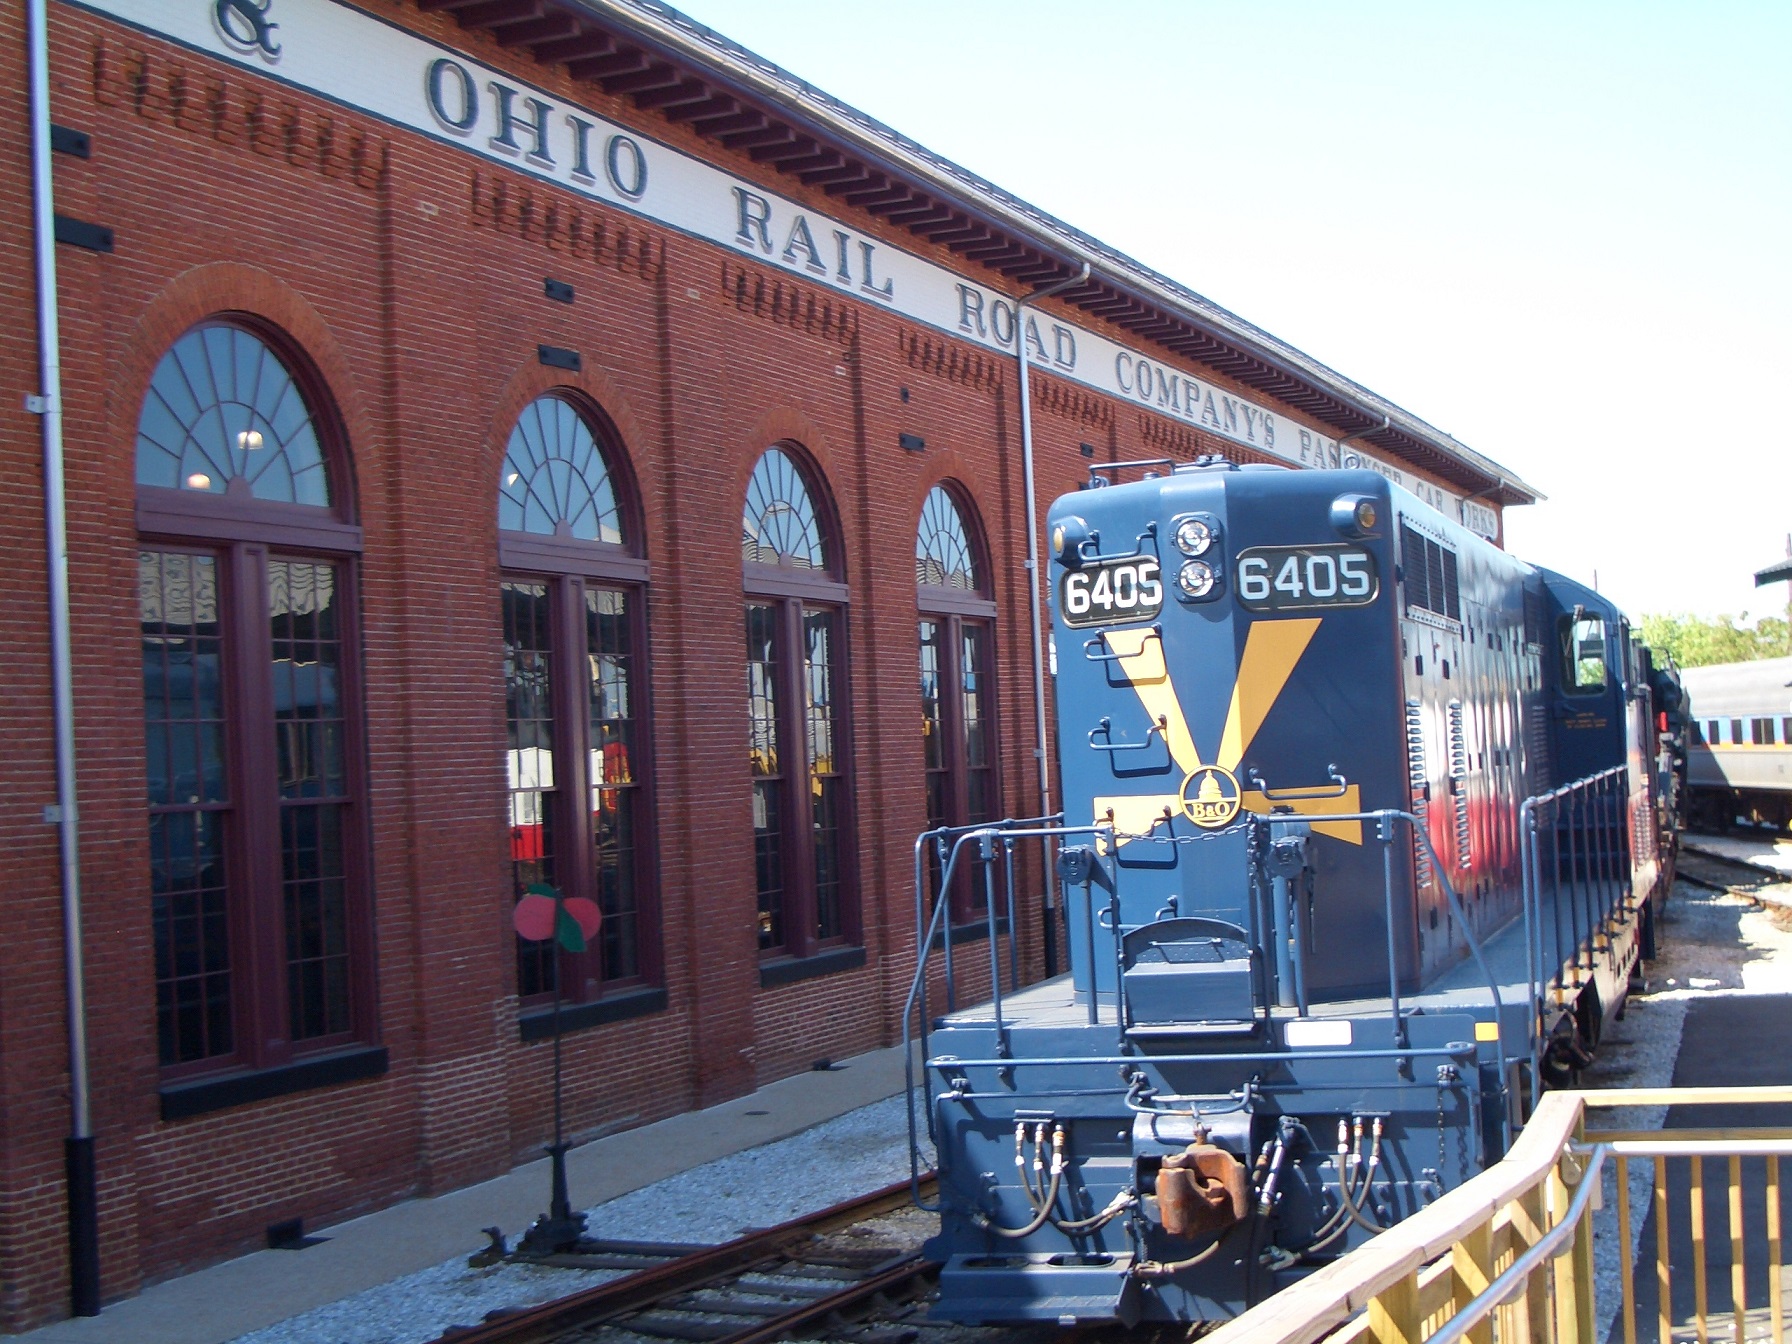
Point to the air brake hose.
(1044, 1211)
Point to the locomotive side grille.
(1459, 781)
(1533, 618)
(1416, 775)
(1429, 569)
(1412, 555)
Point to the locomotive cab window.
(1583, 654)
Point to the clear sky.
(1559, 231)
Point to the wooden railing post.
(1562, 1266)
(1775, 1303)
(1471, 1260)
(1584, 1307)
(1626, 1260)
(1394, 1312)
(1738, 1256)
(1664, 1277)
(1536, 1289)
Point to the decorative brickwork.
(235, 112)
(789, 303)
(952, 360)
(504, 201)
(1054, 396)
(1180, 441)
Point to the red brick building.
(417, 360)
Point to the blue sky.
(1558, 231)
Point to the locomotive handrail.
(1531, 870)
(1448, 1048)
(1099, 467)
(1383, 817)
(929, 929)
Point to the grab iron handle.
(1155, 632)
(1089, 550)
(1297, 795)
(1106, 728)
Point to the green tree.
(1693, 641)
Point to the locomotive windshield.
(1583, 654)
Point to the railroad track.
(1713, 871)
(799, 1277)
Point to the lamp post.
(543, 915)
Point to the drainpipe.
(1386, 422)
(1033, 604)
(83, 1202)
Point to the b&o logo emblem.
(1210, 796)
(244, 25)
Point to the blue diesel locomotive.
(1367, 825)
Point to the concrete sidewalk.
(218, 1304)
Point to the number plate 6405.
(1299, 578)
(1112, 592)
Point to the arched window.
(796, 696)
(252, 714)
(957, 626)
(576, 742)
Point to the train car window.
(1714, 731)
(1698, 733)
(1786, 732)
(1761, 732)
(1583, 654)
(262, 950)
(1736, 732)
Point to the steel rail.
(635, 1292)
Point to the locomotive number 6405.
(1112, 591)
(1296, 578)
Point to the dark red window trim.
(581, 975)
(246, 535)
(797, 851)
(954, 609)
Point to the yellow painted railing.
(1509, 1256)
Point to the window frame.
(793, 591)
(954, 610)
(245, 536)
(568, 568)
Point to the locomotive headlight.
(1069, 536)
(1193, 536)
(1355, 515)
(1195, 578)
